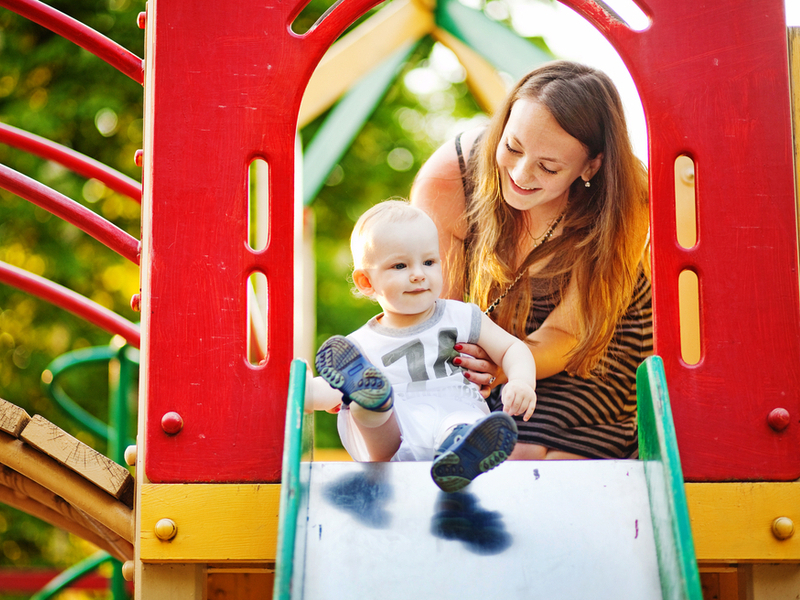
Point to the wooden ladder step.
(79, 457)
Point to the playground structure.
(207, 496)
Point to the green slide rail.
(658, 449)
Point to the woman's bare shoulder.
(439, 186)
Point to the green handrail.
(290, 483)
(658, 448)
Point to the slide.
(531, 529)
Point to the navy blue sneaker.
(341, 364)
(473, 449)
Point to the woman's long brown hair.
(604, 229)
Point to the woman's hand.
(480, 369)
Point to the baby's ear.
(362, 282)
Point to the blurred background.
(52, 88)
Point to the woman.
(543, 220)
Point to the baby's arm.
(517, 361)
(321, 396)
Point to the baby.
(418, 405)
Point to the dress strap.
(461, 164)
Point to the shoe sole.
(484, 447)
(342, 365)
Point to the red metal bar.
(84, 36)
(74, 161)
(33, 580)
(106, 233)
(70, 301)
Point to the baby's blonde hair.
(368, 226)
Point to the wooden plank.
(77, 456)
(12, 418)
(732, 522)
(215, 522)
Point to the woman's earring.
(587, 184)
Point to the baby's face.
(406, 272)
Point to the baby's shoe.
(341, 364)
(470, 450)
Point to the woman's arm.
(551, 344)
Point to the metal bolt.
(138, 157)
(130, 455)
(783, 528)
(136, 302)
(778, 419)
(166, 529)
(171, 423)
(128, 569)
(141, 19)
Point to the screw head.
(171, 423)
(128, 569)
(778, 419)
(166, 529)
(130, 455)
(783, 528)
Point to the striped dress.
(591, 417)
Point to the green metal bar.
(290, 484)
(67, 362)
(78, 414)
(499, 45)
(122, 369)
(658, 448)
(71, 575)
(344, 122)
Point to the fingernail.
(466, 375)
(458, 347)
(457, 361)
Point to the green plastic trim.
(658, 448)
(71, 575)
(503, 48)
(290, 484)
(345, 120)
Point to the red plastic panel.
(713, 79)
(223, 85)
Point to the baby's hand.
(518, 398)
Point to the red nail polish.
(466, 375)
(458, 347)
(457, 361)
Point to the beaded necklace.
(547, 235)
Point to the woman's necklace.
(547, 235)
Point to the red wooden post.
(714, 85)
(223, 85)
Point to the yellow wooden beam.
(732, 522)
(360, 51)
(483, 80)
(214, 522)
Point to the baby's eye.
(429, 263)
(399, 266)
(510, 149)
(546, 170)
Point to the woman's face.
(538, 160)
